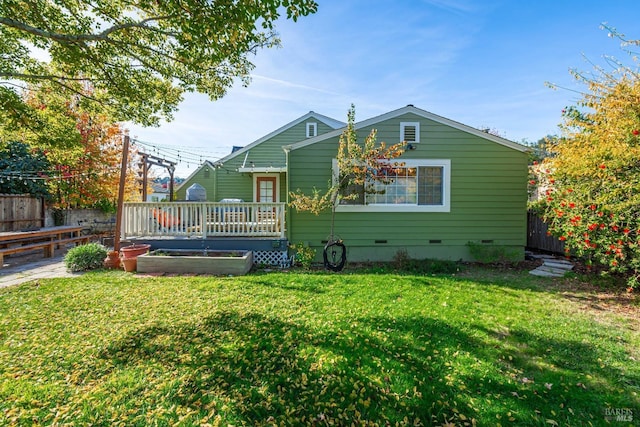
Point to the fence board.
(20, 211)
(537, 238)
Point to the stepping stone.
(547, 272)
(559, 264)
(541, 256)
(551, 266)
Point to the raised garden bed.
(189, 261)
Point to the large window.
(419, 185)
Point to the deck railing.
(203, 219)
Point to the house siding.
(488, 198)
(200, 177)
(226, 182)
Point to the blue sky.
(482, 63)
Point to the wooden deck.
(203, 220)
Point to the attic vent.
(312, 129)
(410, 132)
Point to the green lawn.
(481, 347)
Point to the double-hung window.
(421, 185)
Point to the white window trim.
(310, 126)
(446, 196)
(265, 175)
(404, 125)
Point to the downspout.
(287, 207)
(215, 183)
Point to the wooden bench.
(47, 239)
(47, 247)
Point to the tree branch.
(79, 38)
(22, 76)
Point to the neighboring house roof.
(419, 112)
(158, 188)
(335, 124)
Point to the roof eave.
(423, 113)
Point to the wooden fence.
(20, 212)
(537, 238)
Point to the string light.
(194, 155)
(179, 155)
(23, 175)
(168, 153)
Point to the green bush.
(304, 255)
(85, 257)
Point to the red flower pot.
(130, 264)
(134, 251)
(112, 260)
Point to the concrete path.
(32, 270)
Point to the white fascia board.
(324, 119)
(463, 127)
(419, 112)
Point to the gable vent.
(410, 132)
(312, 129)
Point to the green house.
(458, 185)
(257, 172)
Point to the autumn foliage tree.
(592, 199)
(83, 148)
(88, 175)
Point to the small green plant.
(304, 255)
(402, 262)
(401, 259)
(85, 257)
(489, 254)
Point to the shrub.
(85, 257)
(304, 255)
(591, 200)
(401, 259)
